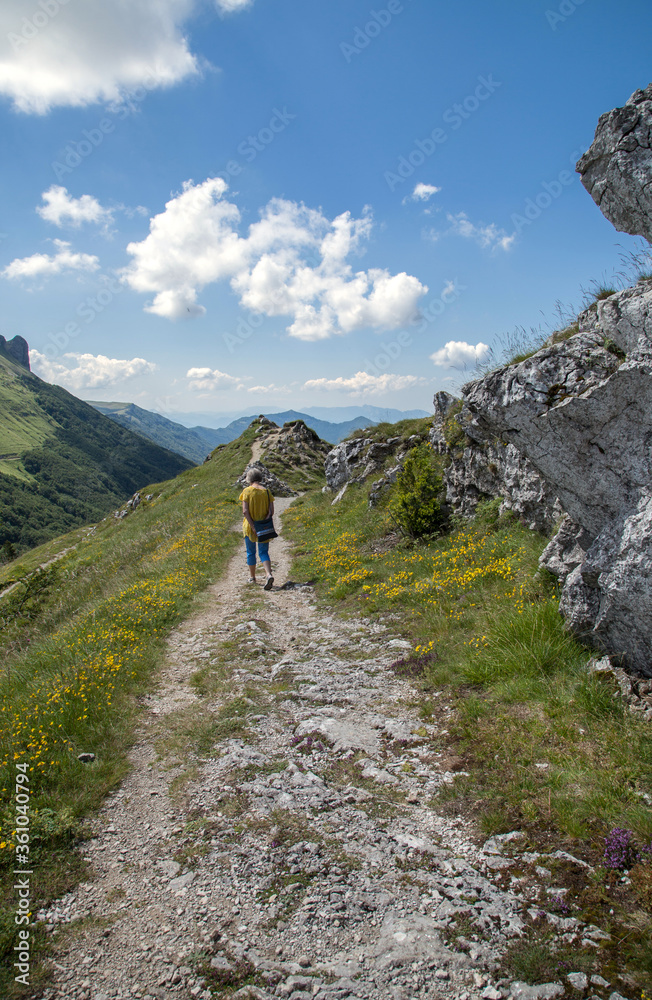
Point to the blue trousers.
(263, 551)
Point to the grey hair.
(254, 476)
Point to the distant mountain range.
(184, 441)
(195, 442)
(328, 431)
(330, 414)
(376, 414)
(63, 464)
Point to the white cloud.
(60, 208)
(44, 265)
(272, 388)
(229, 6)
(292, 262)
(74, 54)
(191, 244)
(362, 383)
(488, 237)
(208, 379)
(88, 371)
(459, 354)
(424, 192)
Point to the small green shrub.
(613, 348)
(416, 502)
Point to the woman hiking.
(257, 505)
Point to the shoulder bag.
(265, 530)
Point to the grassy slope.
(156, 428)
(72, 465)
(547, 748)
(21, 425)
(79, 641)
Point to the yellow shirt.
(258, 501)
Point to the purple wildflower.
(619, 850)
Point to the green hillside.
(63, 464)
(158, 429)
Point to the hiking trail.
(299, 845)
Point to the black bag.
(265, 530)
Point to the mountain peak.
(18, 349)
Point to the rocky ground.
(279, 833)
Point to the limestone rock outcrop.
(580, 412)
(483, 467)
(18, 349)
(617, 169)
(355, 459)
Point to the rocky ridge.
(565, 435)
(293, 445)
(580, 412)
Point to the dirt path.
(270, 440)
(280, 827)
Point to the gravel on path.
(278, 834)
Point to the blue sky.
(238, 205)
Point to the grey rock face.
(545, 407)
(607, 599)
(617, 169)
(581, 412)
(495, 469)
(354, 460)
(483, 467)
(567, 550)
(383, 484)
(444, 405)
(18, 349)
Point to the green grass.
(404, 429)
(604, 292)
(79, 649)
(23, 426)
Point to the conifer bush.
(416, 502)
